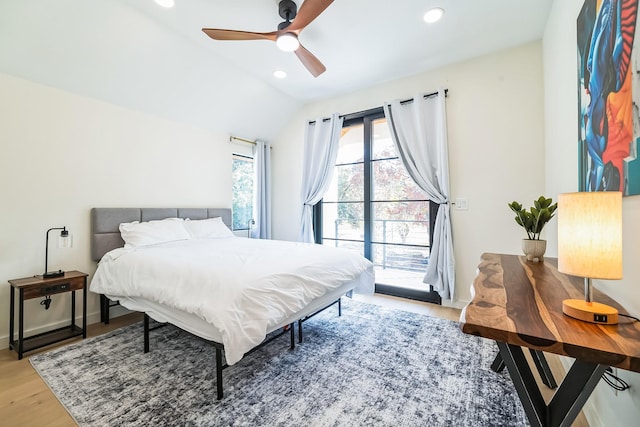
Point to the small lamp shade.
(65, 240)
(590, 234)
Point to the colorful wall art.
(609, 96)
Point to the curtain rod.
(235, 138)
(405, 101)
(428, 95)
(232, 138)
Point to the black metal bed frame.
(220, 347)
(304, 319)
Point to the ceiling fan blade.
(309, 11)
(218, 34)
(312, 63)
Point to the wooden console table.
(519, 304)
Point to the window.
(374, 207)
(242, 197)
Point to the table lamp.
(590, 246)
(65, 240)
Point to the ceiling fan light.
(433, 15)
(287, 42)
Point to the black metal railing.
(396, 244)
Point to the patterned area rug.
(371, 367)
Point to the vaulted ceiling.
(139, 55)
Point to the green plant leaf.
(534, 220)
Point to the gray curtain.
(320, 152)
(262, 191)
(419, 130)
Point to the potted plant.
(533, 221)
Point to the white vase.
(534, 249)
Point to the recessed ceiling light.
(433, 15)
(279, 74)
(165, 3)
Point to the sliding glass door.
(374, 207)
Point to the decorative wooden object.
(519, 304)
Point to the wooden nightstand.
(37, 287)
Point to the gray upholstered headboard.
(105, 223)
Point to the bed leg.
(339, 307)
(102, 297)
(299, 331)
(146, 333)
(293, 336)
(219, 371)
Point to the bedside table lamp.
(65, 240)
(590, 246)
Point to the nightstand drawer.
(53, 288)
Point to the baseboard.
(91, 318)
(454, 304)
(592, 416)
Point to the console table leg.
(568, 400)
(522, 377)
(574, 391)
(543, 368)
(541, 364)
(498, 364)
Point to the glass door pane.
(382, 146)
(399, 216)
(343, 203)
(374, 207)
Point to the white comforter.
(243, 287)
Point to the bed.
(228, 290)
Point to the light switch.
(462, 204)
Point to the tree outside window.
(242, 197)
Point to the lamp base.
(592, 312)
(52, 274)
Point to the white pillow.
(212, 228)
(136, 234)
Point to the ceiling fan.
(286, 37)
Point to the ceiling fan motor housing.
(287, 9)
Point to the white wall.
(63, 154)
(604, 408)
(496, 149)
(125, 53)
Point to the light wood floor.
(25, 400)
